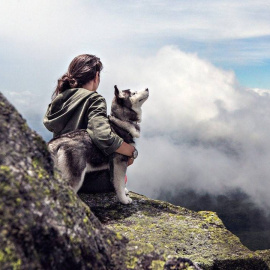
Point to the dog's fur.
(74, 154)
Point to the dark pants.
(96, 182)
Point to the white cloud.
(62, 24)
(200, 128)
(261, 92)
(194, 89)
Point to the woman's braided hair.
(81, 70)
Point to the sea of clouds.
(200, 128)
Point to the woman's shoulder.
(80, 93)
(85, 91)
(96, 96)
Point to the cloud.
(200, 128)
(68, 27)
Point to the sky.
(206, 64)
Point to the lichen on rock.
(164, 231)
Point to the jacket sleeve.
(99, 128)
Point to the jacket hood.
(61, 109)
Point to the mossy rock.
(265, 255)
(156, 227)
(43, 223)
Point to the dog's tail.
(53, 147)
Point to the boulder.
(43, 223)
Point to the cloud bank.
(200, 128)
(68, 27)
(193, 19)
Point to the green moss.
(5, 170)
(47, 191)
(17, 265)
(39, 169)
(140, 248)
(9, 257)
(119, 236)
(18, 200)
(36, 163)
(265, 255)
(132, 262)
(157, 265)
(109, 242)
(211, 217)
(2, 256)
(8, 251)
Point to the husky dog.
(74, 153)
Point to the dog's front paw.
(125, 200)
(126, 191)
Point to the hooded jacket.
(79, 108)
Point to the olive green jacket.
(79, 108)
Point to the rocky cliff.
(44, 225)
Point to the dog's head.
(127, 105)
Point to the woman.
(76, 105)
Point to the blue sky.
(208, 60)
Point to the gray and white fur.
(74, 153)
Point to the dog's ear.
(118, 94)
(116, 91)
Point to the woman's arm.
(98, 126)
(127, 150)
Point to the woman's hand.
(130, 161)
(125, 149)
